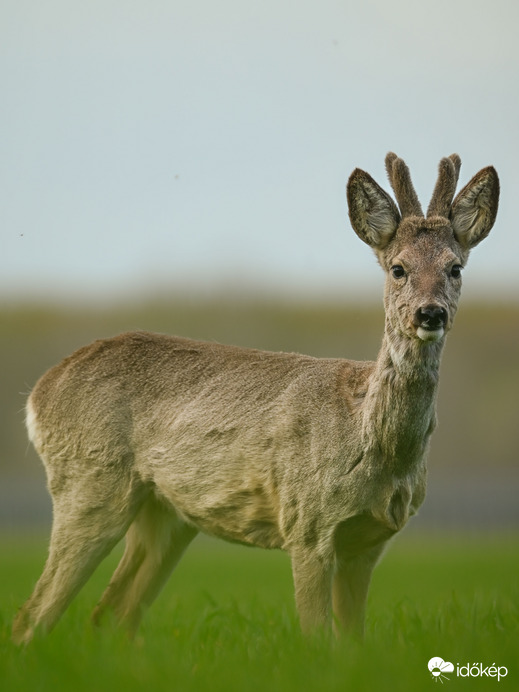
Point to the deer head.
(422, 256)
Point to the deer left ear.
(474, 210)
(373, 214)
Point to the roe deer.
(159, 437)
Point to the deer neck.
(400, 404)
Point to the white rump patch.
(32, 424)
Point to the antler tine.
(457, 165)
(400, 180)
(448, 174)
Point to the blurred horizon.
(240, 290)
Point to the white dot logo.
(439, 667)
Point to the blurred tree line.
(479, 385)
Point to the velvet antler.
(400, 180)
(448, 173)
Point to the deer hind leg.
(84, 531)
(155, 543)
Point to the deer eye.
(398, 271)
(456, 271)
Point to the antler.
(400, 180)
(448, 173)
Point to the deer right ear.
(373, 214)
(474, 210)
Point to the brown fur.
(159, 437)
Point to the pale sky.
(189, 145)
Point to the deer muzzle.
(430, 322)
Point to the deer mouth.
(428, 334)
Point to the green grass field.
(226, 621)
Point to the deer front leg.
(313, 589)
(350, 590)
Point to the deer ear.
(373, 214)
(474, 210)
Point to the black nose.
(431, 318)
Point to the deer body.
(159, 437)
